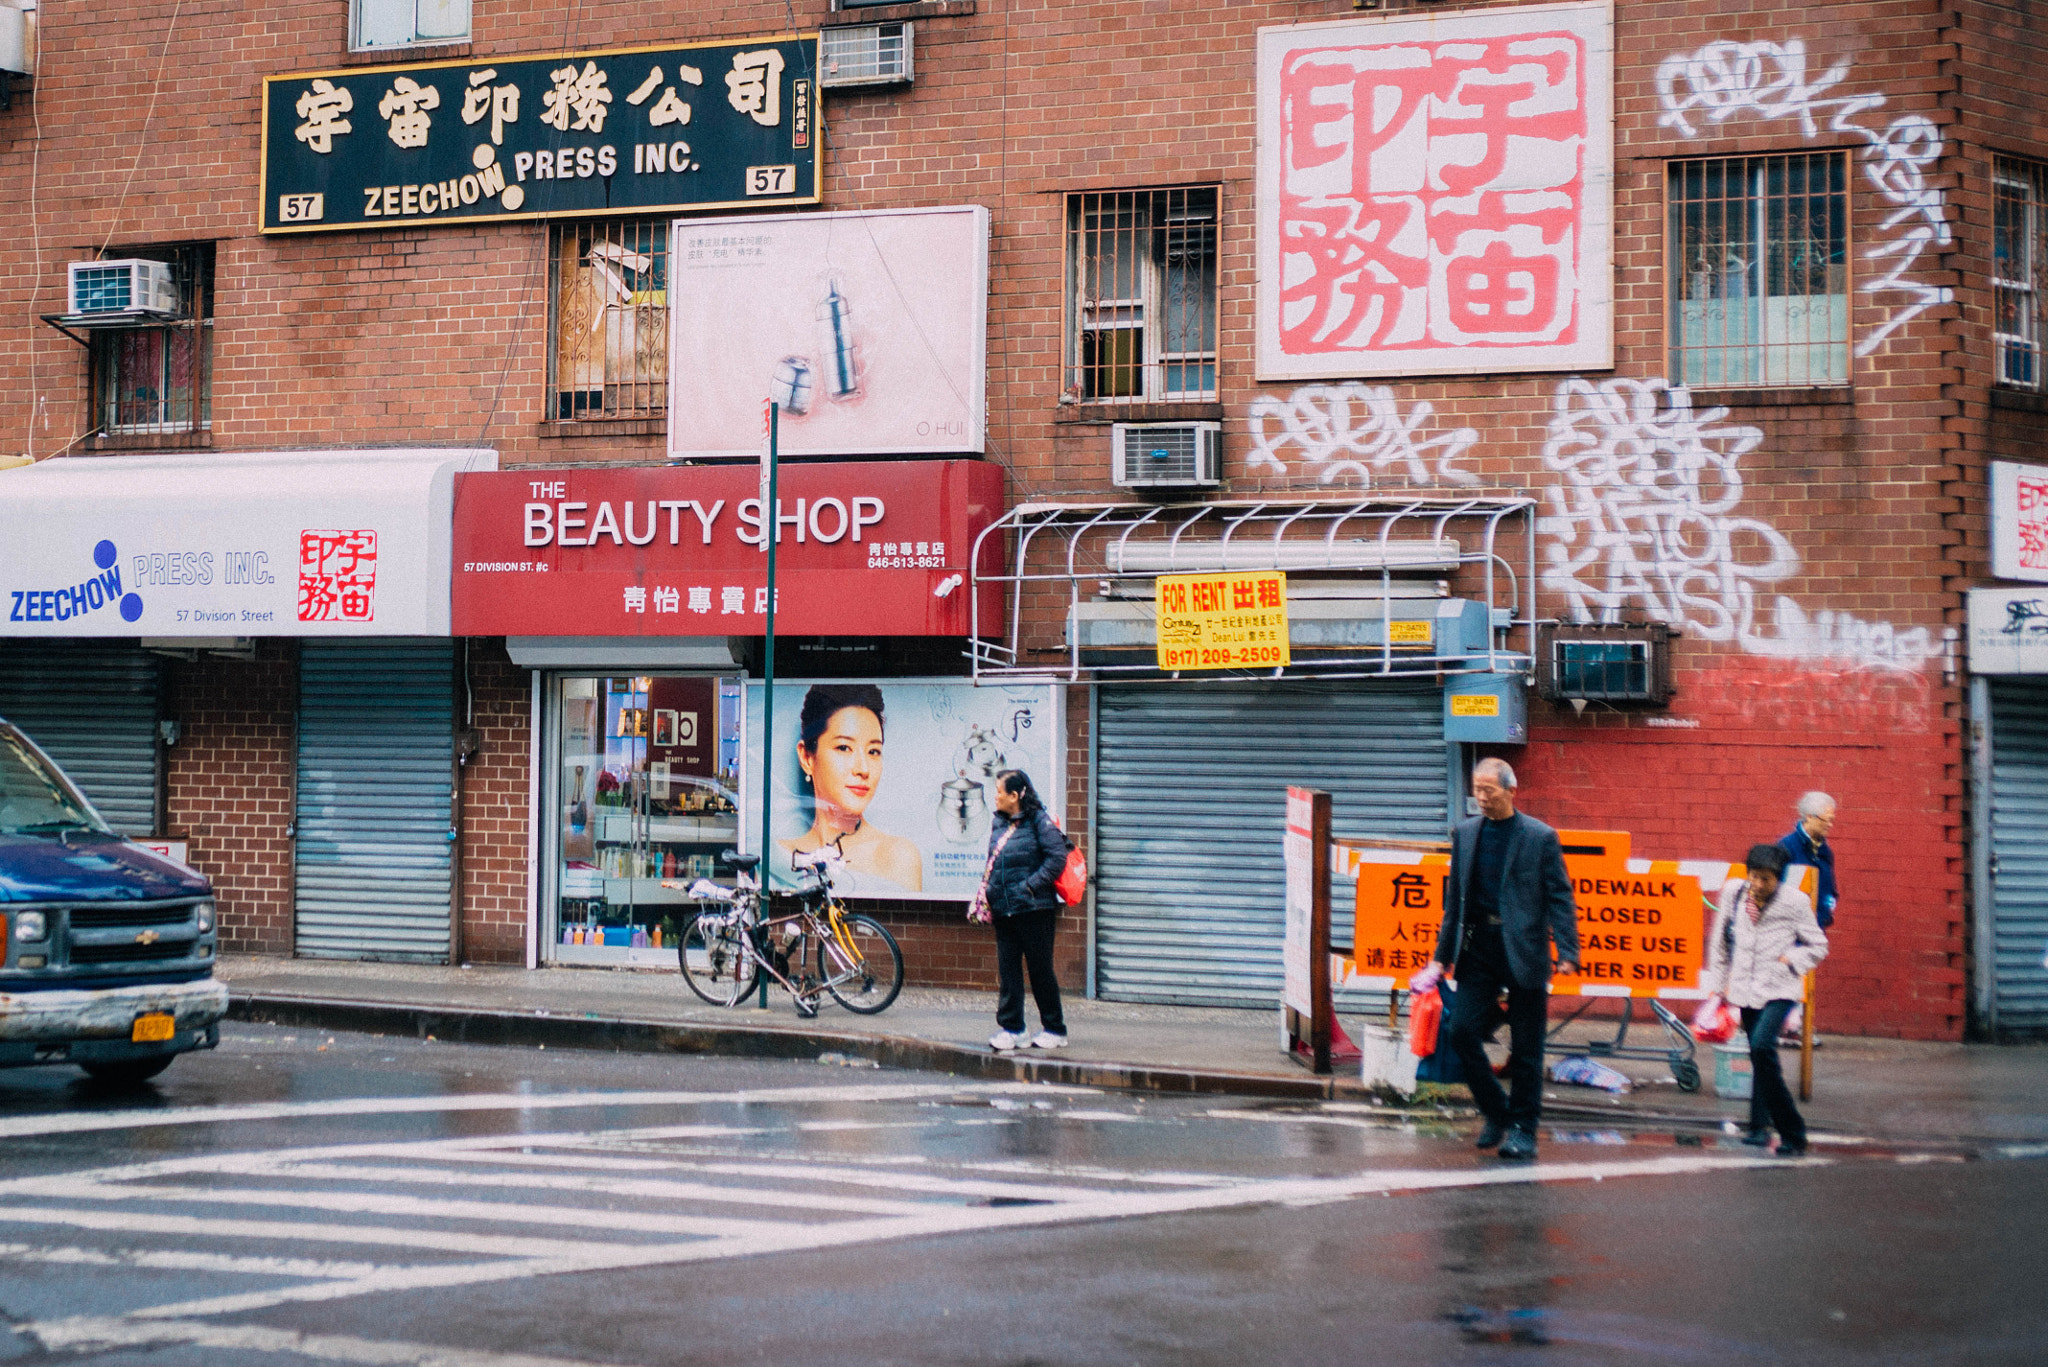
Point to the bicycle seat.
(745, 863)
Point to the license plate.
(153, 1027)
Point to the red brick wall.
(231, 786)
(495, 789)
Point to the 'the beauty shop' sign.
(862, 549)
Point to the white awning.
(211, 544)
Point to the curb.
(475, 1025)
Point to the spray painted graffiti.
(1646, 519)
(1348, 431)
(1769, 80)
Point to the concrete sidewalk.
(1869, 1087)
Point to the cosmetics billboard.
(869, 329)
(899, 775)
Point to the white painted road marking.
(664, 1174)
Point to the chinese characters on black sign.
(714, 125)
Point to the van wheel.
(127, 1072)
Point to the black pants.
(1474, 1017)
(1025, 941)
(1770, 1100)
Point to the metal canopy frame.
(1085, 542)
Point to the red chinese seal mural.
(1435, 194)
(337, 576)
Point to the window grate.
(608, 293)
(2019, 249)
(156, 379)
(1143, 269)
(1757, 255)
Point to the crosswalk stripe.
(186, 1260)
(88, 1334)
(144, 1222)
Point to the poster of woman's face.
(897, 777)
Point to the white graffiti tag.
(1769, 80)
(1351, 430)
(1646, 520)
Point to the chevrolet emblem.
(147, 937)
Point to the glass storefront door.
(644, 789)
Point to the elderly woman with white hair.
(1808, 844)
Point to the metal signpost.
(769, 528)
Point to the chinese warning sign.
(1222, 621)
(1641, 924)
(337, 576)
(1436, 193)
(2019, 520)
(694, 127)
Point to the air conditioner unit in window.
(143, 288)
(1167, 455)
(2019, 360)
(865, 54)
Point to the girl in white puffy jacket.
(1764, 942)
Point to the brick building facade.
(1808, 527)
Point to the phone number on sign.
(1194, 657)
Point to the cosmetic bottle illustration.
(790, 386)
(842, 366)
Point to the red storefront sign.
(872, 548)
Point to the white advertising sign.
(2009, 631)
(900, 775)
(301, 543)
(1436, 193)
(2019, 521)
(869, 329)
(1299, 857)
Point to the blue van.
(109, 949)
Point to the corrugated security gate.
(1191, 791)
(376, 786)
(2019, 853)
(93, 706)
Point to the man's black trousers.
(1481, 977)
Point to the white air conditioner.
(102, 288)
(17, 40)
(865, 54)
(2019, 360)
(1167, 455)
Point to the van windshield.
(34, 798)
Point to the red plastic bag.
(1425, 1018)
(1715, 1022)
(1072, 884)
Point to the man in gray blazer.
(1509, 898)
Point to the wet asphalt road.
(303, 1198)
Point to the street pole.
(769, 529)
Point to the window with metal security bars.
(1757, 255)
(865, 54)
(155, 379)
(2019, 249)
(1142, 271)
(1606, 662)
(608, 296)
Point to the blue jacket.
(1800, 848)
(1535, 899)
(1030, 864)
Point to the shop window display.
(645, 786)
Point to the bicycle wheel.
(717, 961)
(861, 966)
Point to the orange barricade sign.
(1642, 923)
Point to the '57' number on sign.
(771, 180)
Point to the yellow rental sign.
(1222, 621)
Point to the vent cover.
(122, 287)
(1598, 662)
(866, 54)
(1174, 455)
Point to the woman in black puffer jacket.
(1026, 856)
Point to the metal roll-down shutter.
(1191, 787)
(93, 706)
(376, 780)
(2019, 852)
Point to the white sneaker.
(1002, 1041)
(1048, 1040)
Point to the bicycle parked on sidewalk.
(816, 948)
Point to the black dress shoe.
(1490, 1135)
(1518, 1146)
(1757, 1139)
